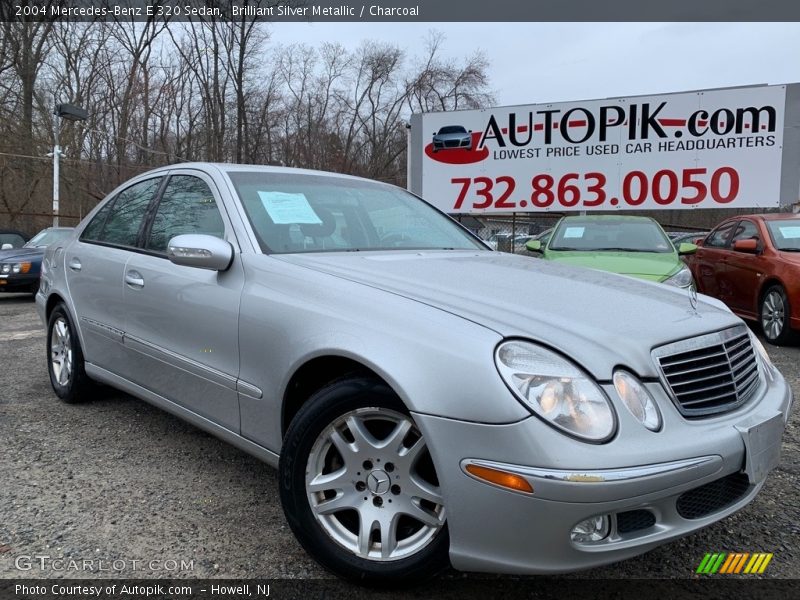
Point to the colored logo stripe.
(734, 563)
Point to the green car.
(635, 246)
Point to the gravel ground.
(118, 480)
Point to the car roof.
(607, 218)
(776, 216)
(241, 168)
(17, 231)
(765, 217)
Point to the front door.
(182, 322)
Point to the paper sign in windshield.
(790, 233)
(574, 232)
(285, 208)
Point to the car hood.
(655, 266)
(594, 316)
(21, 254)
(790, 257)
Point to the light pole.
(71, 113)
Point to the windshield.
(452, 129)
(309, 213)
(620, 235)
(11, 238)
(47, 237)
(785, 234)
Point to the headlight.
(766, 361)
(556, 389)
(683, 278)
(5, 268)
(638, 400)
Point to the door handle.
(134, 279)
(75, 264)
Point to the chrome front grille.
(710, 374)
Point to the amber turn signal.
(24, 267)
(501, 478)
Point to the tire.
(382, 520)
(65, 359)
(774, 316)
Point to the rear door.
(711, 259)
(94, 265)
(744, 271)
(181, 323)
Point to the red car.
(752, 264)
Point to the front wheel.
(359, 488)
(775, 315)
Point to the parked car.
(752, 264)
(420, 408)
(11, 238)
(19, 268)
(452, 137)
(635, 246)
(686, 237)
(542, 237)
(505, 241)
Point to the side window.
(122, 226)
(187, 206)
(746, 230)
(95, 227)
(719, 237)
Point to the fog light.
(591, 530)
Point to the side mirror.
(534, 245)
(686, 248)
(7, 246)
(748, 246)
(201, 251)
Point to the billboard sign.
(709, 149)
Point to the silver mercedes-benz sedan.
(428, 401)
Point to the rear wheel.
(775, 314)
(359, 488)
(65, 359)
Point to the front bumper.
(14, 283)
(497, 530)
(465, 143)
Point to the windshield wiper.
(624, 250)
(789, 249)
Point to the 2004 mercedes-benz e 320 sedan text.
(420, 407)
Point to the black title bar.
(401, 10)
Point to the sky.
(554, 62)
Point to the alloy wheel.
(371, 485)
(772, 315)
(61, 351)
